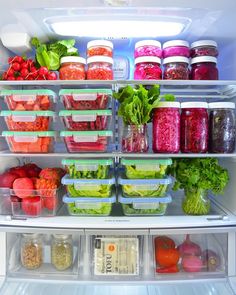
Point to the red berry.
(11, 78)
(24, 72)
(51, 76)
(43, 71)
(20, 78)
(16, 66)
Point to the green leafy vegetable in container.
(100, 173)
(158, 190)
(104, 210)
(130, 210)
(133, 173)
(101, 191)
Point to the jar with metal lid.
(176, 68)
(204, 48)
(148, 48)
(147, 68)
(204, 68)
(194, 127)
(100, 68)
(166, 128)
(222, 127)
(176, 48)
(72, 68)
(62, 251)
(31, 251)
(100, 48)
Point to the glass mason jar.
(176, 48)
(72, 68)
(204, 48)
(135, 139)
(62, 251)
(222, 127)
(147, 68)
(100, 68)
(148, 48)
(194, 127)
(176, 68)
(31, 251)
(204, 68)
(100, 48)
(196, 202)
(166, 128)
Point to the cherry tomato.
(10, 72)
(24, 72)
(167, 256)
(32, 206)
(19, 59)
(51, 76)
(43, 71)
(24, 65)
(164, 242)
(16, 66)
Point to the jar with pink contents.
(176, 48)
(147, 68)
(148, 48)
(204, 48)
(204, 68)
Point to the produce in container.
(100, 48)
(189, 248)
(191, 263)
(148, 48)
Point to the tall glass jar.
(222, 127)
(72, 68)
(194, 127)
(100, 68)
(147, 68)
(204, 48)
(148, 48)
(176, 48)
(196, 202)
(62, 251)
(135, 139)
(204, 68)
(100, 48)
(31, 251)
(176, 68)
(166, 128)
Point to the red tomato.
(166, 257)
(32, 206)
(164, 242)
(50, 203)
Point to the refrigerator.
(124, 22)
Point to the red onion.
(189, 248)
(192, 263)
(210, 260)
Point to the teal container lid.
(81, 91)
(28, 92)
(30, 133)
(86, 133)
(66, 180)
(128, 162)
(104, 162)
(65, 113)
(27, 113)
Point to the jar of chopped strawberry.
(72, 68)
(100, 68)
(100, 48)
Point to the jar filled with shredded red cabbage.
(204, 48)
(176, 48)
(147, 68)
(176, 68)
(222, 127)
(135, 139)
(194, 127)
(148, 48)
(100, 68)
(166, 128)
(204, 68)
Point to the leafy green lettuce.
(104, 191)
(134, 191)
(100, 173)
(104, 210)
(133, 173)
(130, 210)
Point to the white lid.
(77, 59)
(100, 43)
(168, 104)
(141, 59)
(203, 59)
(203, 43)
(61, 236)
(100, 58)
(175, 43)
(31, 235)
(175, 59)
(221, 105)
(194, 104)
(148, 43)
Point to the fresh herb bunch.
(49, 55)
(136, 104)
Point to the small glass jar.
(176, 68)
(147, 68)
(100, 68)
(72, 68)
(166, 128)
(100, 48)
(135, 139)
(31, 251)
(204, 68)
(148, 48)
(194, 127)
(222, 127)
(62, 251)
(176, 48)
(196, 202)
(204, 48)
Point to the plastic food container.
(100, 48)
(148, 48)
(144, 206)
(204, 48)
(144, 187)
(92, 188)
(89, 206)
(166, 128)
(194, 127)
(176, 48)
(204, 68)
(30, 142)
(28, 120)
(88, 168)
(86, 120)
(176, 68)
(72, 68)
(147, 68)
(222, 127)
(87, 141)
(141, 169)
(135, 139)
(100, 68)
(29, 100)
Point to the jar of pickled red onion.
(204, 48)
(147, 68)
(72, 68)
(148, 48)
(176, 48)
(100, 48)
(100, 68)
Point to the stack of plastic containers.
(90, 186)
(144, 187)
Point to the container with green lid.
(145, 168)
(86, 99)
